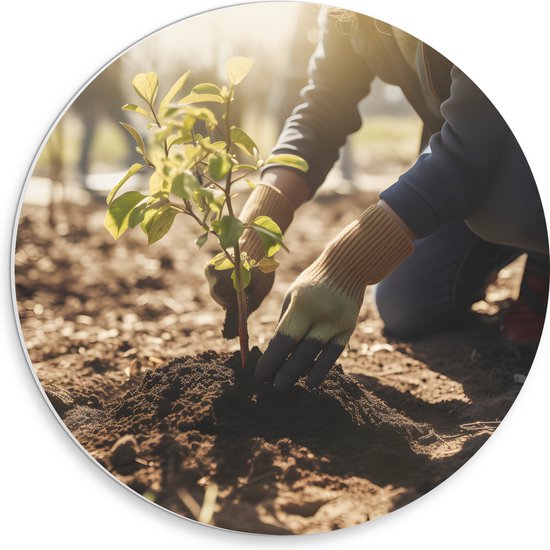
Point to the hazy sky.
(216, 35)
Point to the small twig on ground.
(481, 425)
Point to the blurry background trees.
(89, 148)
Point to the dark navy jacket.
(467, 132)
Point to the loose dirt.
(119, 334)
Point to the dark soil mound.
(198, 420)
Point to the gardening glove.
(321, 307)
(265, 200)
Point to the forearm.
(338, 79)
(278, 195)
(292, 185)
(400, 222)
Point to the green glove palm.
(321, 307)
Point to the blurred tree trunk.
(56, 173)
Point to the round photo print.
(281, 282)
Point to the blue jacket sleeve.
(447, 183)
(338, 79)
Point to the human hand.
(221, 289)
(321, 307)
(265, 200)
(317, 321)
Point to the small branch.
(179, 208)
(241, 295)
(245, 175)
(157, 122)
(225, 251)
(190, 212)
(212, 182)
(228, 180)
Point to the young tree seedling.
(193, 174)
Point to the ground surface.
(119, 334)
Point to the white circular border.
(52, 494)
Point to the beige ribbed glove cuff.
(363, 253)
(265, 200)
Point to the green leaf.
(202, 197)
(250, 184)
(218, 145)
(245, 277)
(174, 140)
(160, 223)
(267, 265)
(174, 90)
(250, 167)
(201, 93)
(152, 206)
(270, 234)
(237, 68)
(119, 211)
(200, 98)
(148, 212)
(240, 138)
(230, 230)
(206, 88)
(293, 161)
(207, 201)
(146, 85)
(200, 113)
(136, 215)
(157, 183)
(150, 495)
(172, 110)
(219, 165)
(246, 260)
(201, 239)
(164, 132)
(184, 185)
(218, 203)
(191, 154)
(133, 170)
(215, 147)
(221, 262)
(136, 109)
(137, 137)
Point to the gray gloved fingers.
(288, 334)
(230, 325)
(274, 356)
(221, 290)
(259, 287)
(326, 360)
(304, 356)
(298, 363)
(220, 286)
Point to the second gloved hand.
(221, 289)
(321, 307)
(265, 200)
